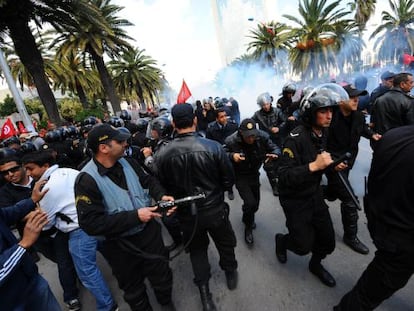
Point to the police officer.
(270, 121)
(388, 207)
(347, 127)
(188, 165)
(303, 162)
(248, 149)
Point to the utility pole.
(21, 108)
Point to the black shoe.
(248, 236)
(275, 191)
(232, 279)
(230, 195)
(206, 298)
(356, 245)
(281, 252)
(322, 274)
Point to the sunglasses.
(13, 169)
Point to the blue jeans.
(83, 248)
(38, 297)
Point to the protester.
(21, 285)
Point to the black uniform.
(247, 171)
(344, 136)
(389, 209)
(307, 216)
(94, 219)
(190, 165)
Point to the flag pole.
(21, 108)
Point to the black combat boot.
(248, 235)
(316, 268)
(206, 298)
(350, 222)
(232, 278)
(281, 252)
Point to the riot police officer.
(302, 165)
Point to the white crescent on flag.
(6, 129)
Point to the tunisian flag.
(184, 94)
(8, 129)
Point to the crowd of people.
(108, 186)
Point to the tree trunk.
(26, 49)
(81, 95)
(106, 80)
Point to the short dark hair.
(11, 159)
(40, 157)
(401, 77)
(183, 123)
(219, 110)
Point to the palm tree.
(136, 76)
(75, 74)
(96, 40)
(269, 42)
(315, 37)
(364, 9)
(15, 17)
(394, 34)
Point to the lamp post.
(21, 108)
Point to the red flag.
(184, 94)
(8, 129)
(22, 129)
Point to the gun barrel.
(190, 198)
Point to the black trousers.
(387, 273)
(310, 226)
(219, 228)
(56, 249)
(131, 269)
(249, 190)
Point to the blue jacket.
(16, 266)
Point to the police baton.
(344, 182)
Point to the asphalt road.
(264, 283)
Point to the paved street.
(264, 283)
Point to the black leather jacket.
(268, 119)
(191, 164)
(393, 109)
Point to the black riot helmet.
(116, 122)
(28, 147)
(125, 115)
(91, 120)
(7, 153)
(142, 125)
(53, 136)
(162, 126)
(324, 95)
(13, 140)
(289, 88)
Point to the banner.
(184, 94)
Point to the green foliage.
(8, 106)
(69, 108)
(95, 109)
(36, 106)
